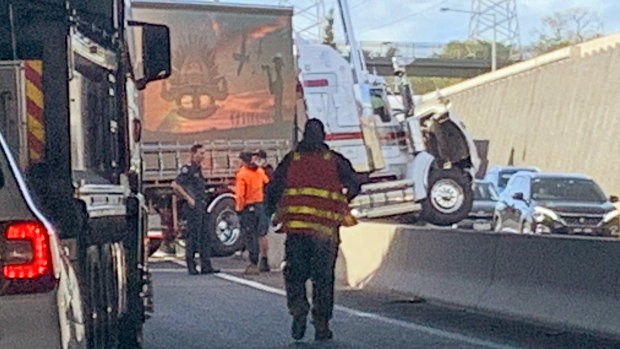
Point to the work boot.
(191, 266)
(263, 266)
(321, 330)
(251, 269)
(209, 270)
(298, 329)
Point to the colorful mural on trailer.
(233, 74)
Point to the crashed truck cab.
(422, 164)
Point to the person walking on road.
(309, 194)
(250, 180)
(260, 159)
(190, 185)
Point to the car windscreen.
(566, 189)
(504, 176)
(485, 191)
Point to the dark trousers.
(252, 218)
(197, 238)
(314, 258)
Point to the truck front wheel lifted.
(449, 197)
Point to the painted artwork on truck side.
(230, 77)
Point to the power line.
(385, 25)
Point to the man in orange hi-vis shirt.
(249, 194)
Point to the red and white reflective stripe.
(341, 136)
(316, 83)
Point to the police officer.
(309, 193)
(190, 185)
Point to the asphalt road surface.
(231, 311)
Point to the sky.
(421, 20)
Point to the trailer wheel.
(224, 229)
(449, 197)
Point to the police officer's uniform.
(196, 234)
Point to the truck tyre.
(449, 197)
(95, 324)
(131, 337)
(224, 229)
(110, 297)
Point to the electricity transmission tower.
(308, 19)
(499, 17)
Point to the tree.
(329, 29)
(567, 28)
(473, 49)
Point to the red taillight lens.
(26, 258)
(22, 262)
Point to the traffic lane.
(452, 319)
(207, 311)
(405, 307)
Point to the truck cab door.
(11, 93)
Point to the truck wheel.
(449, 197)
(131, 337)
(110, 297)
(224, 229)
(95, 324)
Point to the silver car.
(500, 175)
(40, 304)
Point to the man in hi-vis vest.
(309, 194)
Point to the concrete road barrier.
(444, 265)
(571, 282)
(568, 282)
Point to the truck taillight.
(26, 259)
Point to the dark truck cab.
(66, 84)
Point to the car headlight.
(610, 216)
(541, 213)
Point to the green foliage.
(423, 85)
(329, 29)
(473, 49)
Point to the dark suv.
(558, 203)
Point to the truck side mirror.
(155, 48)
(156, 41)
(613, 199)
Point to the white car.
(40, 304)
(500, 175)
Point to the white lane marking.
(253, 284)
(400, 323)
(177, 270)
(167, 270)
